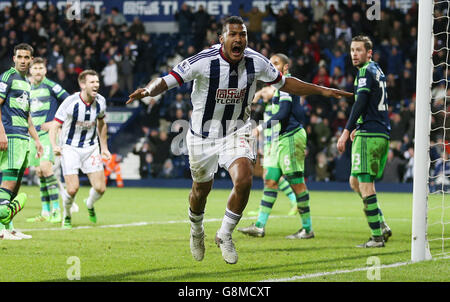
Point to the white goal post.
(419, 244)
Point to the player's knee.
(99, 187)
(271, 184)
(39, 173)
(46, 169)
(367, 189)
(299, 188)
(100, 190)
(72, 191)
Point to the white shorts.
(205, 154)
(88, 159)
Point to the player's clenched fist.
(57, 150)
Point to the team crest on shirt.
(184, 66)
(23, 101)
(230, 96)
(35, 104)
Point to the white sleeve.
(182, 73)
(271, 76)
(63, 111)
(102, 112)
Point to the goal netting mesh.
(438, 218)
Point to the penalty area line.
(145, 223)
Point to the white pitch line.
(315, 275)
(144, 223)
(294, 278)
(338, 272)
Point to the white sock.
(64, 194)
(229, 222)
(93, 197)
(67, 202)
(196, 222)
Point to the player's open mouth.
(236, 50)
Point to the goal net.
(431, 202)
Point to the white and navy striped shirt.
(79, 120)
(222, 92)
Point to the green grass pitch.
(142, 234)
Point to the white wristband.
(147, 90)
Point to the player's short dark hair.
(23, 46)
(38, 60)
(368, 45)
(84, 73)
(284, 58)
(231, 20)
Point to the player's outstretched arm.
(155, 87)
(295, 86)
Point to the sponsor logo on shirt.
(86, 125)
(3, 87)
(23, 101)
(362, 82)
(57, 88)
(230, 96)
(183, 67)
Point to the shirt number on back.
(381, 105)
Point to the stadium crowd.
(316, 38)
